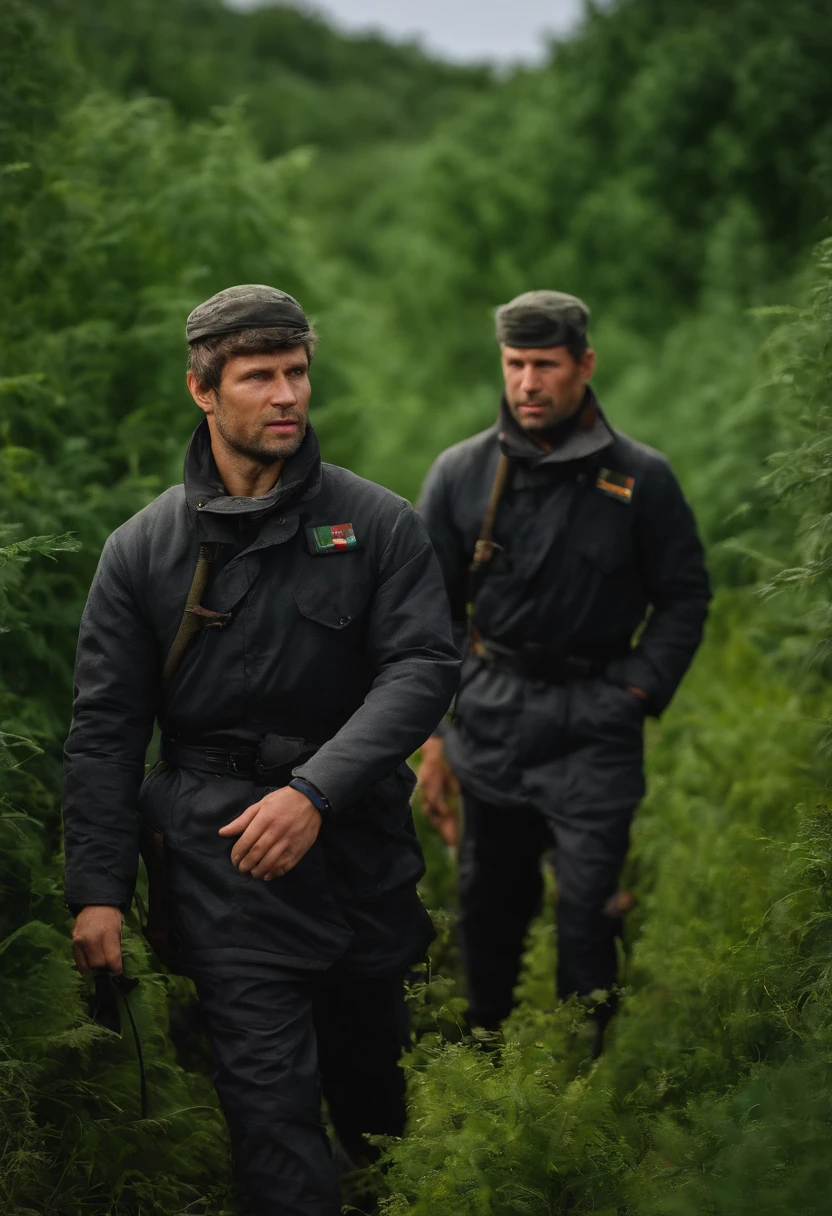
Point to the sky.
(505, 31)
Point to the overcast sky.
(502, 30)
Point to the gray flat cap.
(250, 306)
(542, 318)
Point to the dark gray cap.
(250, 306)
(542, 318)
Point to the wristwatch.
(318, 800)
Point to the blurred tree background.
(672, 164)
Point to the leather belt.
(270, 763)
(538, 662)
(210, 760)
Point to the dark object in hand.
(108, 990)
(104, 1007)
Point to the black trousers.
(501, 888)
(279, 1037)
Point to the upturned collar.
(205, 493)
(586, 433)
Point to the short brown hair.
(207, 358)
(578, 348)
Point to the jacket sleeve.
(116, 679)
(672, 565)
(410, 644)
(434, 506)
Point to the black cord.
(104, 1009)
(139, 1054)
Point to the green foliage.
(304, 83)
(801, 476)
(669, 163)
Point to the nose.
(283, 393)
(528, 381)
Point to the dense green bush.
(670, 163)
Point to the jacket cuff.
(76, 905)
(78, 895)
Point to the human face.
(261, 408)
(544, 385)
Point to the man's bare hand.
(96, 939)
(439, 791)
(275, 833)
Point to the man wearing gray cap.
(285, 624)
(579, 593)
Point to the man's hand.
(275, 833)
(439, 791)
(96, 939)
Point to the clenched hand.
(96, 939)
(439, 791)
(275, 833)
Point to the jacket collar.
(589, 434)
(205, 493)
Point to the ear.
(588, 364)
(205, 398)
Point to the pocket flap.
(335, 605)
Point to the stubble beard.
(555, 415)
(279, 449)
(551, 417)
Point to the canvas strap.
(484, 548)
(194, 617)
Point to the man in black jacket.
(282, 796)
(591, 539)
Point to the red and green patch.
(331, 538)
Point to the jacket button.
(281, 520)
(345, 620)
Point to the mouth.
(283, 426)
(532, 409)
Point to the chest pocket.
(334, 604)
(602, 532)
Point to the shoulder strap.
(194, 617)
(484, 548)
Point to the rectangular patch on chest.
(331, 538)
(616, 485)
